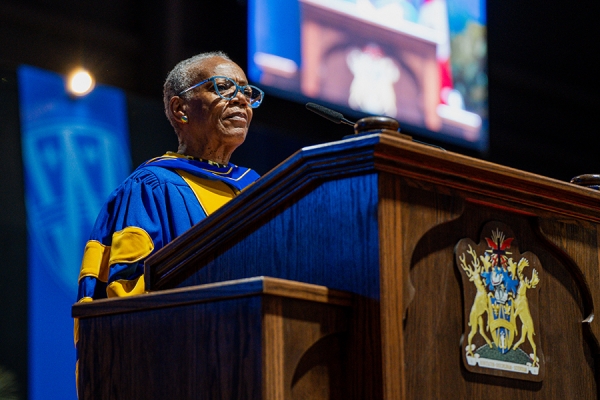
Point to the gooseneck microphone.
(328, 113)
(364, 125)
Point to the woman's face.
(214, 122)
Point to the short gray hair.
(182, 74)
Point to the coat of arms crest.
(501, 297)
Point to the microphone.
(328, 113)
(364, 125)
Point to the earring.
(184, 119)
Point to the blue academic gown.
(159, 201)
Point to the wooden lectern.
(402, 271)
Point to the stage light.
(80, 83)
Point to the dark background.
(542, 71)
(543, 94)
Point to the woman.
(209, 103)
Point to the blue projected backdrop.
(75, 152)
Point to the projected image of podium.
(369, 268)
(352, 60)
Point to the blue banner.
(75, 152)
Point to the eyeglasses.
(227, 89)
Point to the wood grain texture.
(319, 165)
(315, 349)
(184, 352)
(212, 292)
(315, 241)
(291, 180)
(312, 241)
(405, 215)
(241, 347)
(273, 351)
(478, 178)
(307, 234)
(379, 216)
(434, 322)
(578, 247)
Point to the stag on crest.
(522, 308)
(480, 303)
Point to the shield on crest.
(500, 289)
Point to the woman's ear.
(177, 110)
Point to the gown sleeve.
(150, 209)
